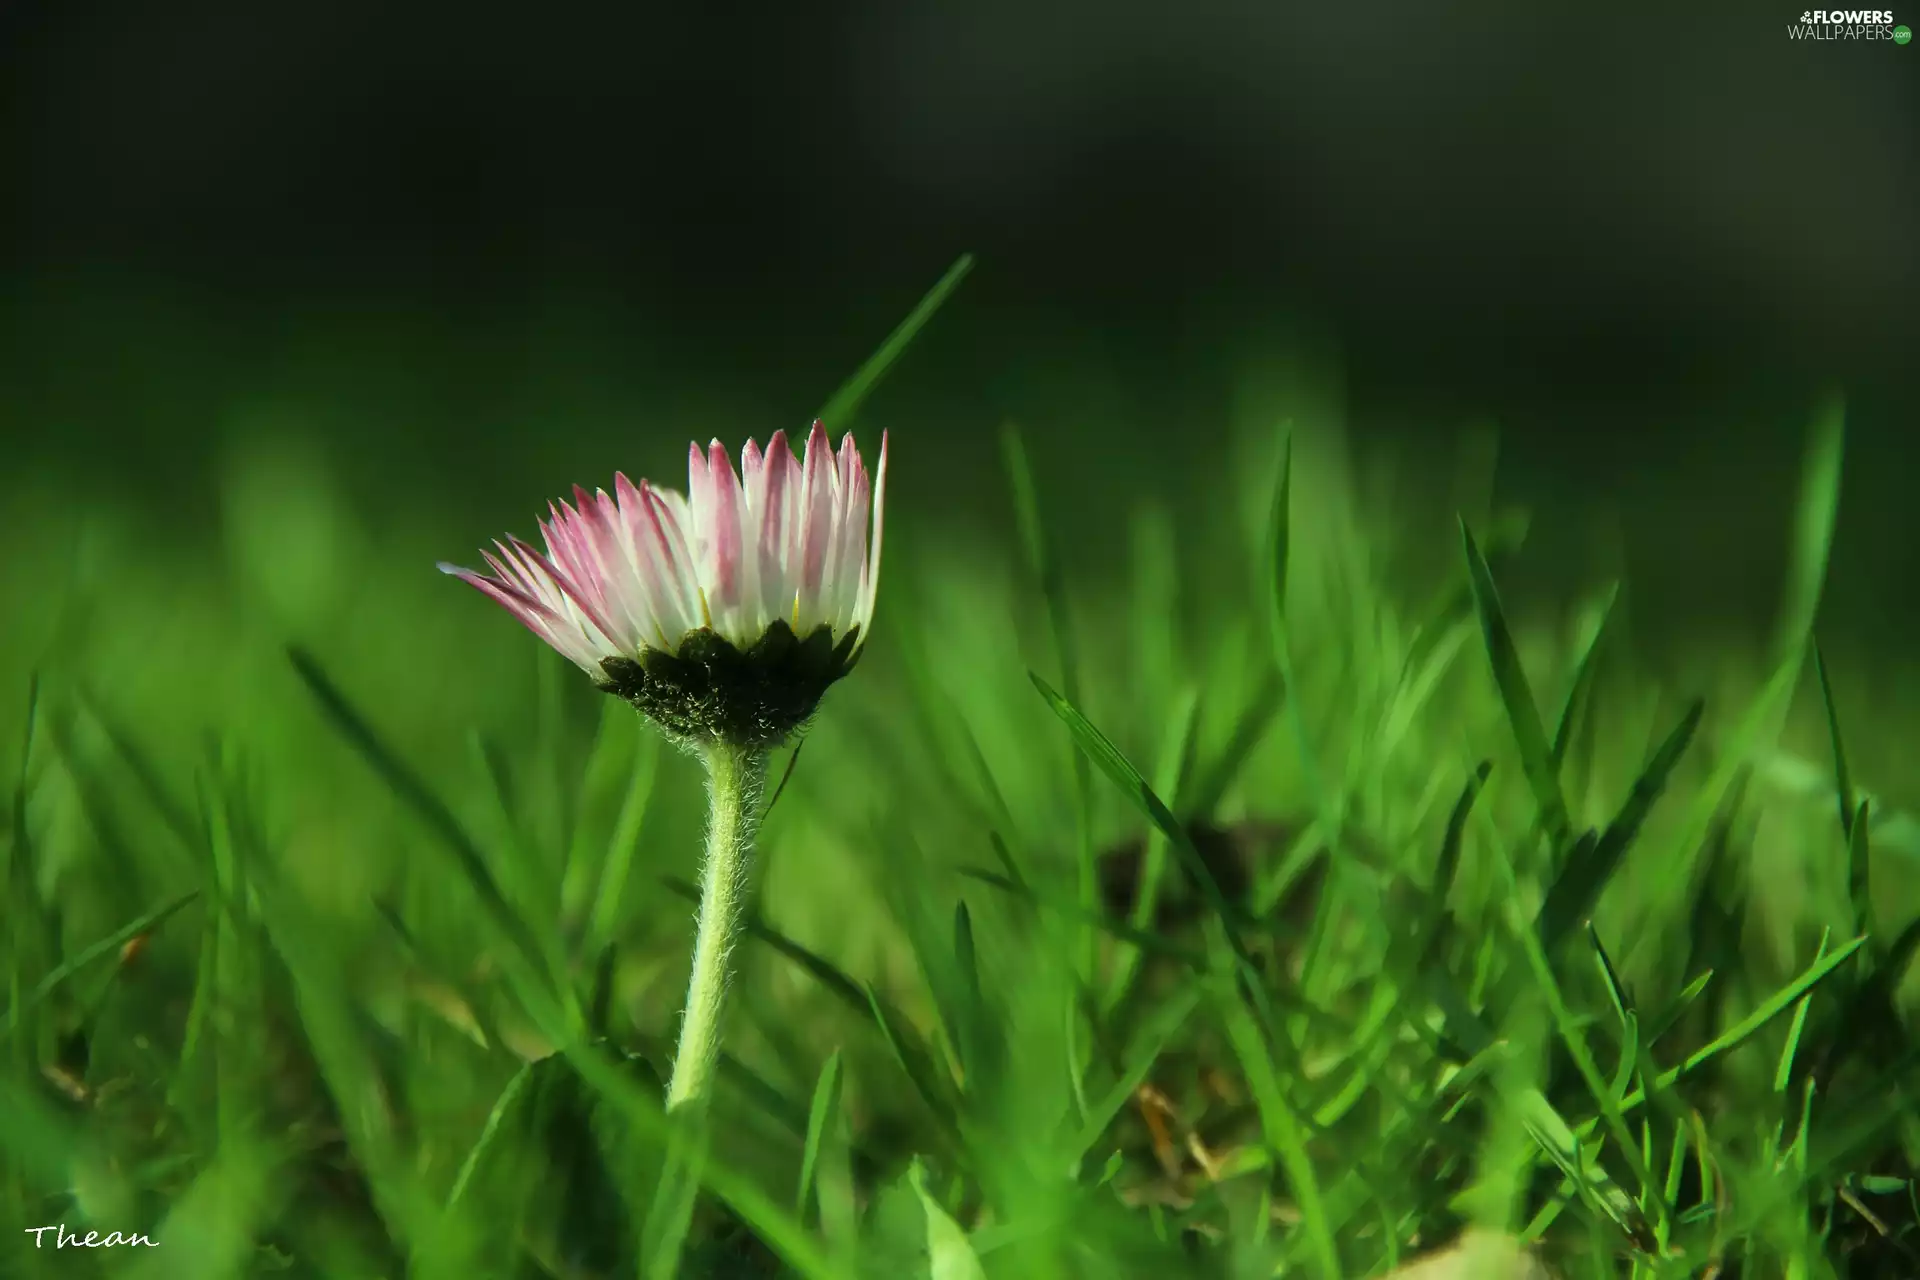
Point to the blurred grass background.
(154, 590)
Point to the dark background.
(1643, 245)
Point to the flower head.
(724, 614)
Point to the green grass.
(1283, 902)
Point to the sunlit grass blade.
(949, 1254)
(1766, 1011)
(1577, 888)
(1796, 1028)
(1516, 696)
(844, 404)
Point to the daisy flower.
(724, 613)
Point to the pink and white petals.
(526, 583)
(784, 539)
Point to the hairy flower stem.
(735, 778)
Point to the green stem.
(735, 778)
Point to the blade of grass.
(1448, 866)
(1842, 778)
(786, 776)
(1282, 1128)
(1249, 731)
(1577, 888)
(1617, 1205)
(967, 1018)
(581, 867)
(1859, 859)
(949, 1255)
(822, 1115)
(1754, 727)
(1176, 753)
(1870, 1000)
(1516, 696)
(489, 1132)
(1767, 1010)
(1815, 515)
(1276, 557)
(670, 1217)
(604, 920)
(1583, 676)
(109, 945)
(1783, 1074)
(844, 404)
(918, 1062)
(1659, 1026)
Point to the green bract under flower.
(725, 614)
(710, 690)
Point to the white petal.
(870, 573)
